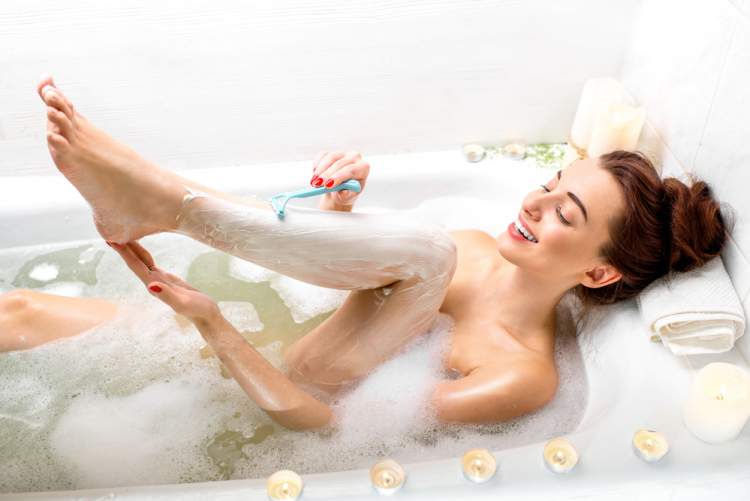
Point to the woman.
(604, 228)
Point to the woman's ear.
(600, 275)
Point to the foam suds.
(70, 289)
(132, 402)
(241, 315)
(304, 300)
(44, 272)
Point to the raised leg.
(398, 267)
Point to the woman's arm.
(491, 394)
(280, 398)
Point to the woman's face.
(568, 219)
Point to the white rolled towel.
(694, 312)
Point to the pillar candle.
(598, 94)
(718, 404)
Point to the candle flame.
(722, 391)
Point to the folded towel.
(694, 312)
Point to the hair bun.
(698, 229)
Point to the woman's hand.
(333, 168)
(182, 297)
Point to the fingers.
(142, 254)
(317, 160)
(133, 261)
(348, 166)
(174, 279)
(168, 294)
(326, 161)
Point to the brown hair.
(666, 225)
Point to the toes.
(52, 96)
(44, 82)
(62, 122)
(57, 142)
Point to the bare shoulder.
(504, 389)
(470, 241)
(528, 371)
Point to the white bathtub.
(633, 383)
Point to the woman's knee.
(443, 258)
(17, 302)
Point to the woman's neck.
(525, 301)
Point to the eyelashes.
(559, 210)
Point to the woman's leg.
(132, 197)
(398, 268)
(30, 318)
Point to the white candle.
(515, 151)
(474, 152)
(387, 476)
(479, 465)
(598, 94)
(649, 445)
(284, 485)
(569, 156)
(559, 455)
(616, 128)
(719, 402)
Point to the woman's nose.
(533, 207)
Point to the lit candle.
(479, 465)
(649, 445)
(598, 94)
(719, 402)
(474, 152)
(284, 485)
(559, 455)
(387, 476)
(515, 151)
(617, 128)
(570, 155)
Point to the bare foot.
(130, 196)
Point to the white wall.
(690, 65)
(200, 84)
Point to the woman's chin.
(507, 248)
(511, 250)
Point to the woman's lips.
(515, 235)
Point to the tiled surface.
(677, 53)
(230, 82)
(723, 158)
(690, 64)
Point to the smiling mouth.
(524, 232)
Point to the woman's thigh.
(369, 328)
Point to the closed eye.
(559, 209)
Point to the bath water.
(138, 400)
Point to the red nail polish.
(329, 183)
(313, 179)
(318, 181)
(155, 288)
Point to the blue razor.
(278, 202)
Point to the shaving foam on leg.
(350, 251)
(397, 266)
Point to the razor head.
(278, 203)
